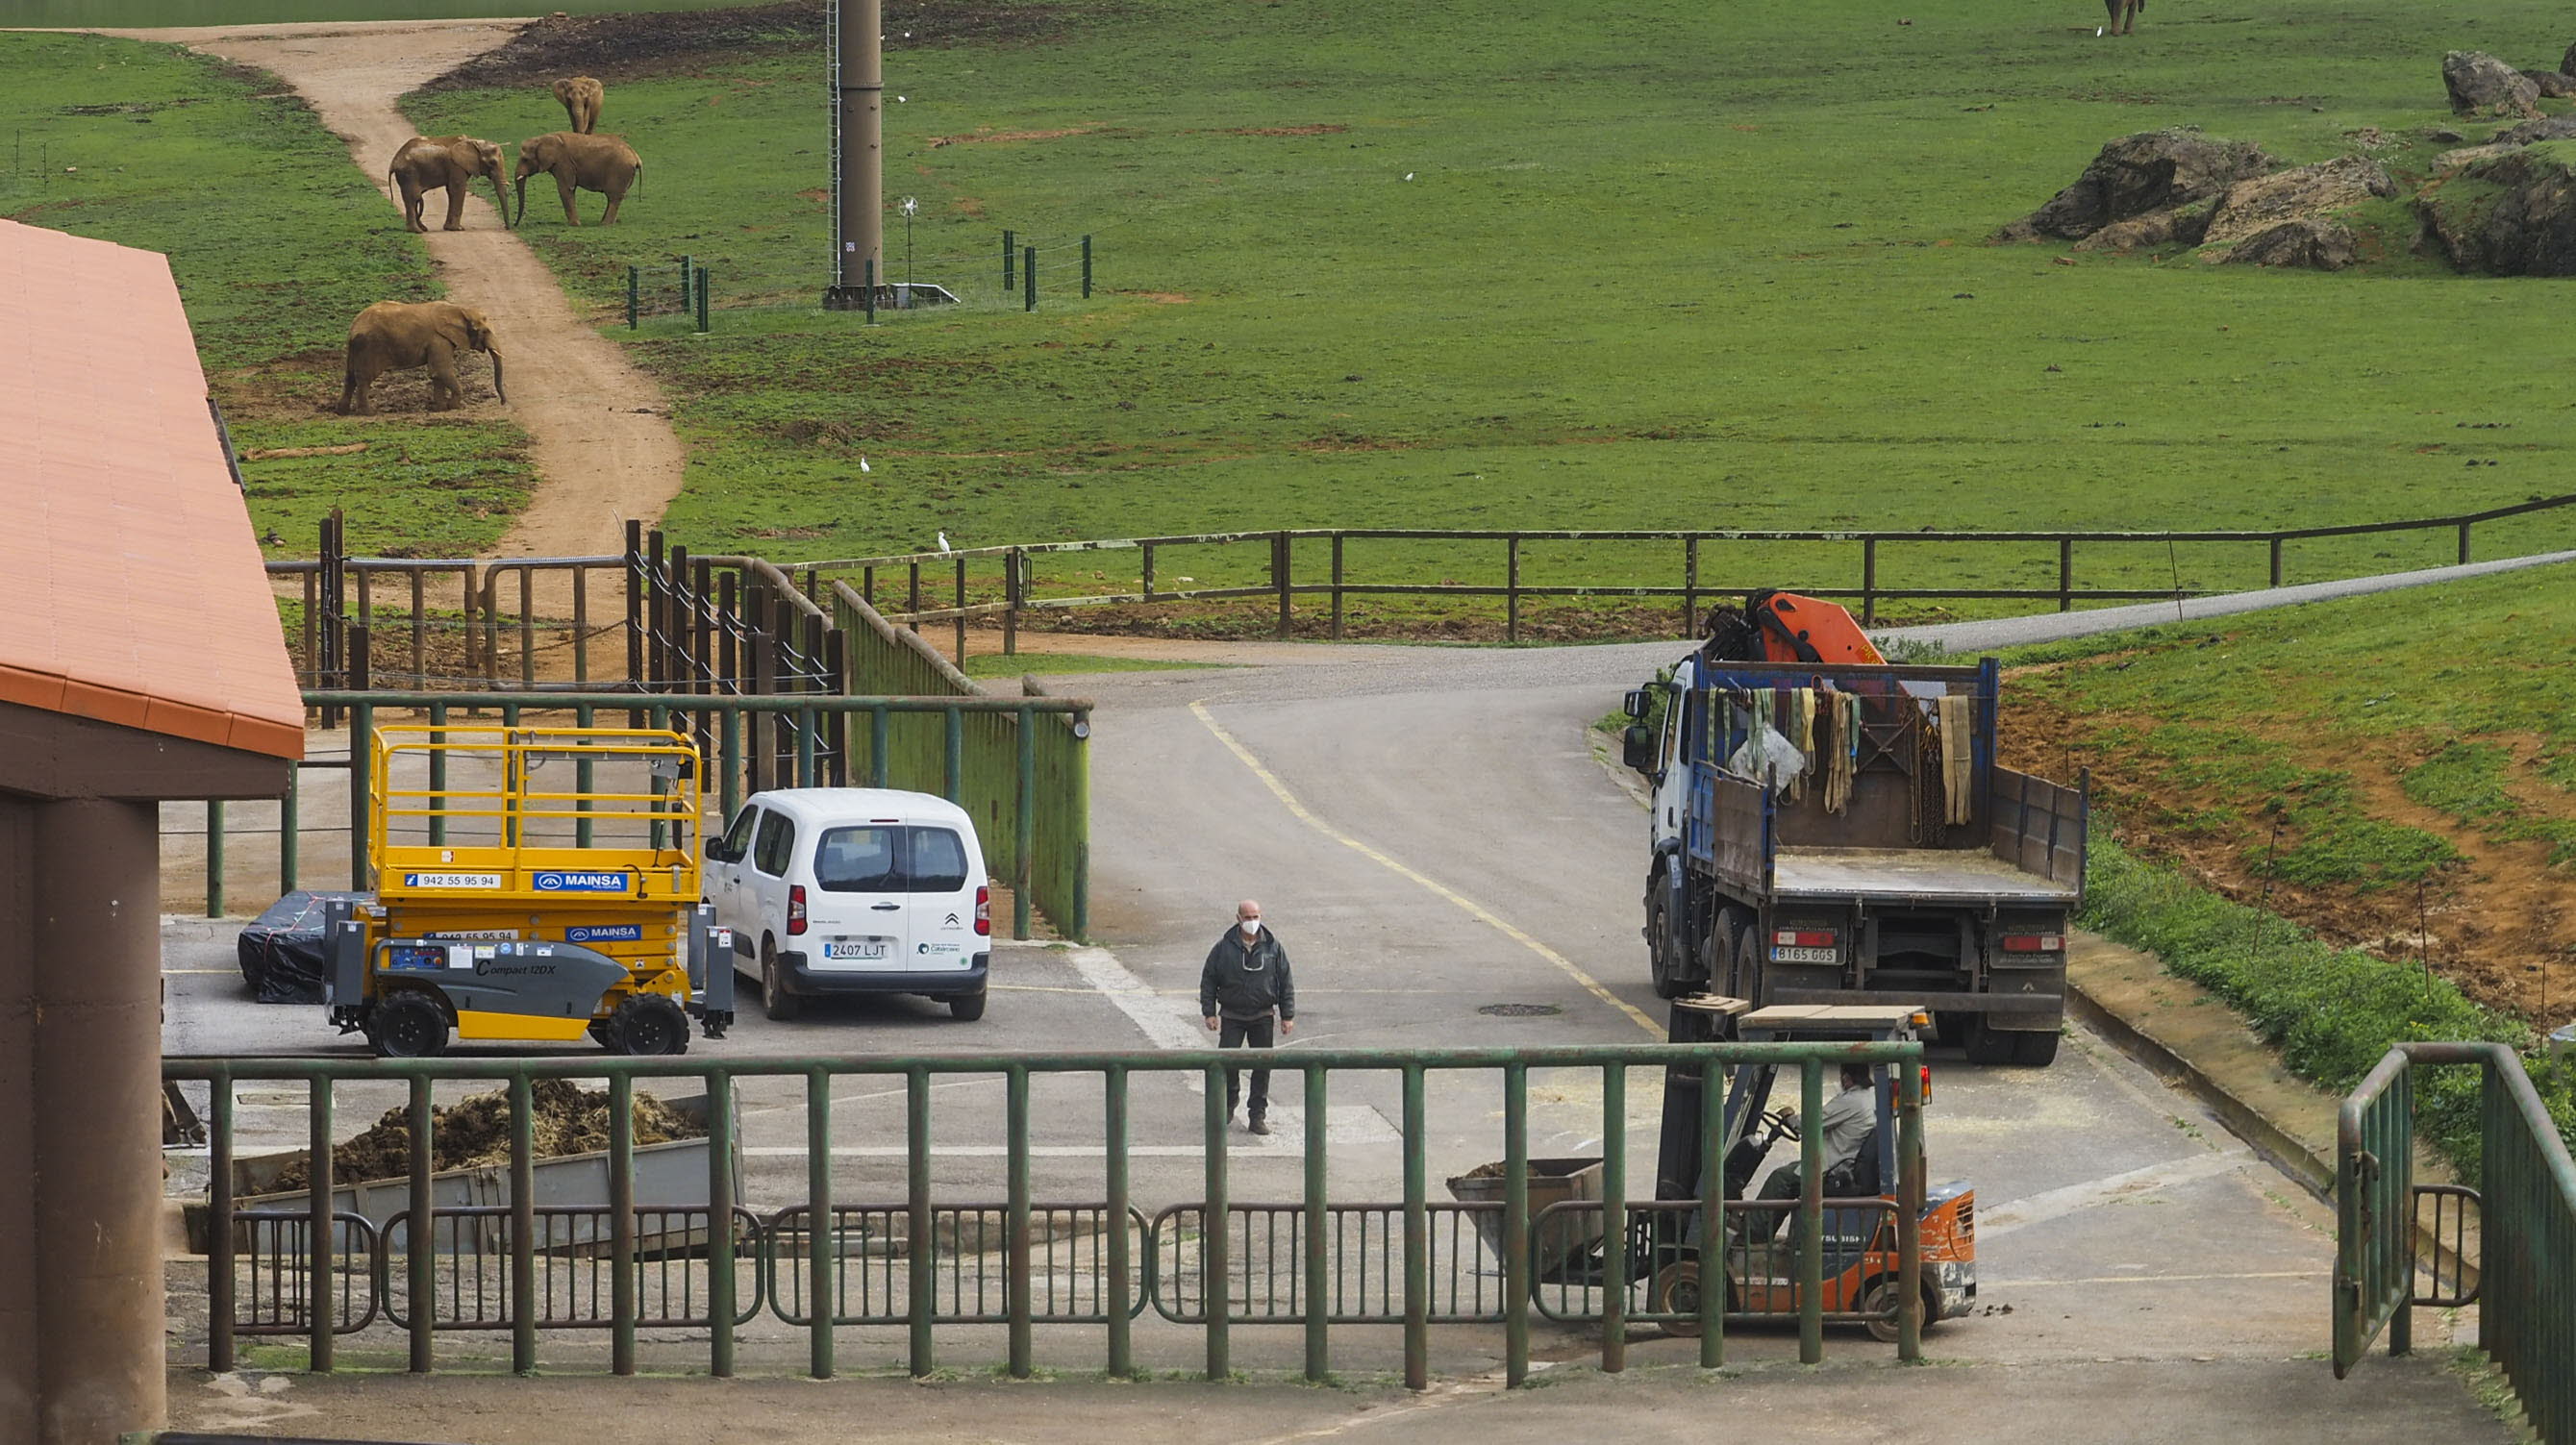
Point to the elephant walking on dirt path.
(401, 335)
(451, 162)
(602, 163)
(582, 99)
(2124, 14)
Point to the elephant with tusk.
(602, 163)
(428, 163)
(582, 99)
(400, 335)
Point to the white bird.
(943, 543)
(863, 464)
(1408, 175)
(900, 99)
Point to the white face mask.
(1251, 927)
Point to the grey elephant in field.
(449, 162)
(582, 98)
(400, 335)
(602, 163)
(2124, 14)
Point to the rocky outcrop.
(2480, 84)
(2506, 215)
(2138, 176)
(2264, 203)
(2552, 84)
(2172, 226)
(2557, 127)
(2311, 241)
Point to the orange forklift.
(1860, 1199)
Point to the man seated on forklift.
(1850, 1117)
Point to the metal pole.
(1029, 278)
(1811, 1213)
(924, 1288)
(1319, 1354)
(822, 1253)
(720, 1205)
(420, 1227)
(214, 858)
(1086, 268)
(1512, 589)
(1712, 1215)
(220, 1284)
(1015, 1284)
(1417, 1237)
(858, 129)
(319, 1317)
(621, 1222)
(523, 1226)
(362, 733)
(287, 827)
(1213, 1284)
(1280, 563)
(1027, 826)
(1614, 1218)
(1909, 1212)
(1868, 581)
(702, 298)
(1516, 1261)
(1114, 1141)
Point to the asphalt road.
(1433, 833)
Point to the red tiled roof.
(131, 589)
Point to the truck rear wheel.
(2035, 1051)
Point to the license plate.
(874, 948)
(1805, 955)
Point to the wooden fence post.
(1279, 576)
(1337, 586)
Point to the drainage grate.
(1520, 1010)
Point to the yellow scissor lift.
(532, 884)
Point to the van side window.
(859, 860)
(777, 845)
(737, 839)
(938, 861)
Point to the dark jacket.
(1246, 983)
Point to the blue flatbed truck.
(1842, 833)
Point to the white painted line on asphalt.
(1149, 1011)
(2051, 1204)
(1473, 909)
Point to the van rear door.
(941, 875)
(859, 911)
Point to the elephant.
(400, 335)
(582, 98)
(2124, 14)
(427, 163)
(602, 163)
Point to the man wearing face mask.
(1244, 984)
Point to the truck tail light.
(1896, 1091)
(1803, 938)
(795, 909)
(2034, 943)
(983, 911)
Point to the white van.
(855, 890)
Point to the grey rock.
(2180, 226)
(2480, 84)
(2444, 136)
(2554, 85)
(2556, 127)
(2567, 62)
(2138, 175)
(2263, 203)
(2507, 215)
(2309, 241)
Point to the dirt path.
(602, 448)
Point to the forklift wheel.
(649, 1023)
(409, 1026)
(1676, 1291)
(1882, 1298)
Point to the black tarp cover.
(281, 950)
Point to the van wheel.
(966, 1007)
(776, 1003)
(409, 1026)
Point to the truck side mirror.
(1638, 702)
(1637, 749)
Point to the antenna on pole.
(858, 153)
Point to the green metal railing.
(1195, 1278)
(811, 740)
(2525, 1288)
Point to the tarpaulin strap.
(1958, 756)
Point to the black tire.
(602, 1034)
(1986, 1045)
(1883, 1294)
(776, 1003)
(650, 1023)
(1675, 1290)
(966, 1007)
(2035, 1051)
(1660, 944)
(409, 1026)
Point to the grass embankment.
(2354, 820)
(1690, 267)
(276, 241)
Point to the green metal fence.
(1025, 779)
(2525, 1285)
(1311, 1263)
(808, 740)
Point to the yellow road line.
(1472, 908)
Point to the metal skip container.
(1569, 1236)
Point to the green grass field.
(276, 241)
(1661, 265)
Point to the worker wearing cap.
(1243, 986)
(1849, 1119)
